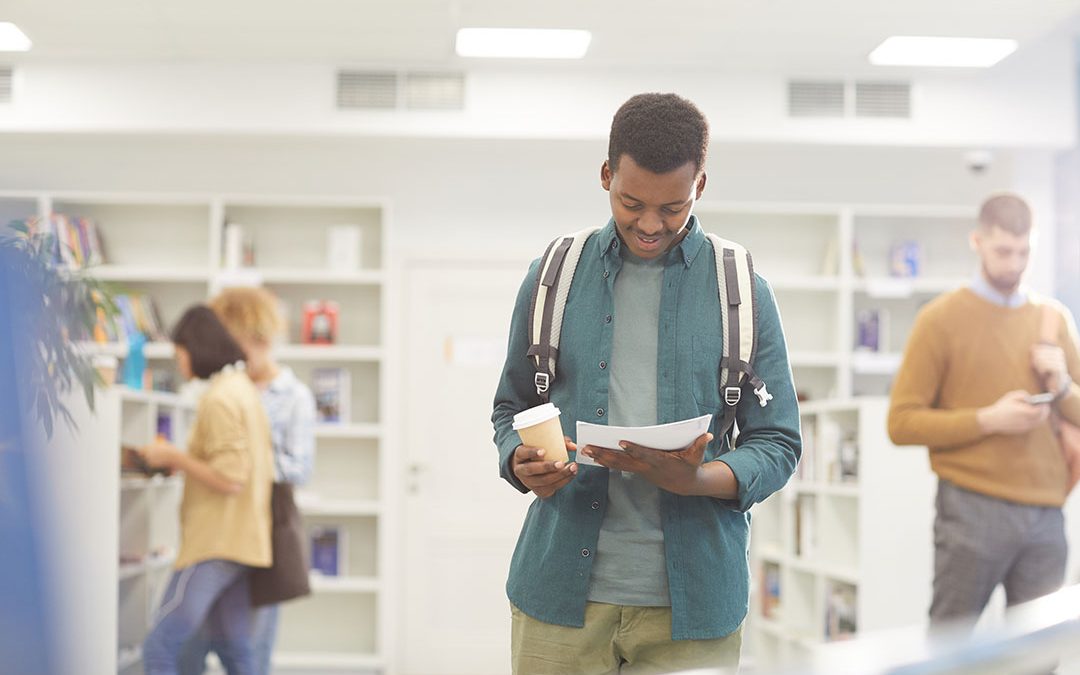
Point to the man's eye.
(671, 210)
(632, 207)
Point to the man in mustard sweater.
(973, 358)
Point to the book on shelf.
(328, 551)
(848, 459)
(343, 247)
(332, 388)
(841, 621)
(238, 247)
(770, 591)
(905, 259)
(320, 322)
(805, 470)
(138, 313)
(805, 526)
(872, 330)
(77, 241)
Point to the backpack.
(735, 277)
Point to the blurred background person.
(225, 513)
(253, 318)
(974, 360)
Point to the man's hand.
(542, 477)
(1012, 414)
(678, 471)
(1049, 362)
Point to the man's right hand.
(1012, 414)
(542, 477)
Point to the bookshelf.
(829, 264)
(174, 248)
(846, 546)
(148, 517)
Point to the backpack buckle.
(542, 382)
(732, 395)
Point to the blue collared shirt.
(705, 538)
(290, 406)
(984, 290)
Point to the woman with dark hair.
(225, 513)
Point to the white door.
(461, 519)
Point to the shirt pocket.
(705, 372)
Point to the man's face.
(1004, 256)
(651, 209)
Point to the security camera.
(978, 161)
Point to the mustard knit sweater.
(964, 353)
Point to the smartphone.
(1041, 399)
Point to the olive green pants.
(615, 639)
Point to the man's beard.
(1004, 285)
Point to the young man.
(973, 358)
(642, 565)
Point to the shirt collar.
(983, 289)
(283, 380)
(608, 242)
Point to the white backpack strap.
(552, 288)
(738, 303)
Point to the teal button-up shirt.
(705, 538)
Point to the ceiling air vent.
(883, 99)
(807, 98)
(367, 89)
(6, 77)
(435, 91)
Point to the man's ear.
(701, 185)
(605, 176)
(973, 240)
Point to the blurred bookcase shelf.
(149, 509)
(831, 266)
(846, 546)
(175, 249)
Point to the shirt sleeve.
(296, 456)
(769, 443)
(913, 419)
(226, 446)
(516, 391)
(1069, 406)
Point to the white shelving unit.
(807, 252)
(148, 517)
(170, 246)
(852, 528)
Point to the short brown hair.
(1008, 211)
(249, 313)
(660, 132)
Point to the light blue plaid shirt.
(291, 408)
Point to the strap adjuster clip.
(732, 395)
(542, 382)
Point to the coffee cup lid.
(534, 416)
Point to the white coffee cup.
(539, 427)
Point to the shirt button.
(585, 553)
(614, 245)
(595, 505)
(606, 274)
(599, 412)
(603, 364)
(607, 319)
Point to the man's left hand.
(1049, 362)
(677, 471)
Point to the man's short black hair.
(206, 340)
(661, 132)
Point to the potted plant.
(53, 307)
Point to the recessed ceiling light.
(906, 50)
(522, 43)
(12, 39)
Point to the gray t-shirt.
(630, 566)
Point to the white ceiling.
(734, 35)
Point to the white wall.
(1027, 100)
